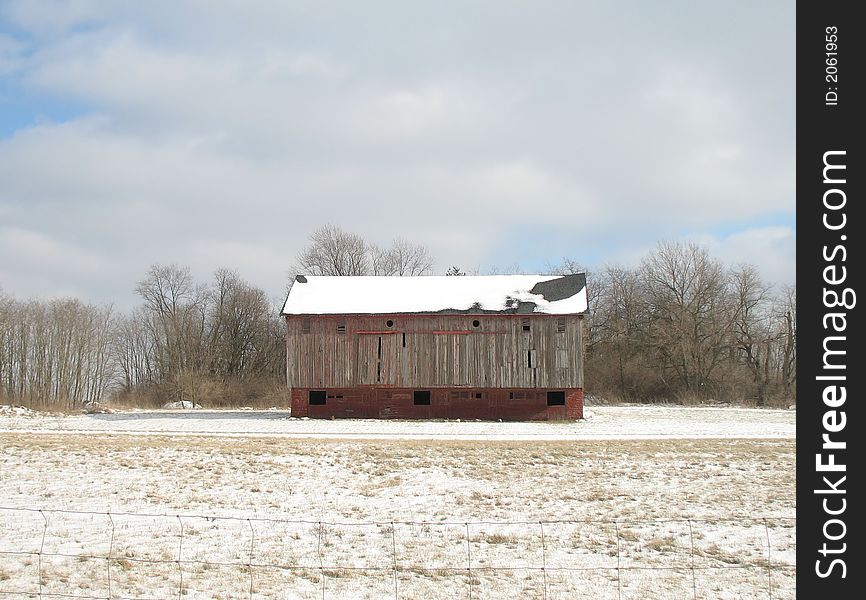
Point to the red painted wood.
(375, 402)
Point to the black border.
(822, 128)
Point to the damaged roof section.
(560, 288)
(547, 294)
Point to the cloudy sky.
(215, 133)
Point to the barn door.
(387, 359)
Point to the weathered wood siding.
(435, 351)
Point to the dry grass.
(631, 481)
(379, 479)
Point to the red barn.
(472, 347)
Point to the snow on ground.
(604, 422)
(8, 410)
(291, 515)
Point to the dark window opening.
(525, 324)
(560, 326)
(478, 395)
(529, 358)
(341, 326)
(421, 397)
(556, 398)
(379, 362)
(318, 397)
(404, 340)
(476, 323)
(305, 326)
(511, 395)
(389, 323)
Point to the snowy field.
(603, 422)
(633, 503)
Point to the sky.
(217, 133)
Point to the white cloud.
(222, 133)
(39, 265)
(770, 249)
(10, 55)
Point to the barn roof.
(549, 294)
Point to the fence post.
(250, 561)
(41, 550)
(769, 563)
(469, 560)
(179, 558)
(394, 555)
(543, 559)
(321, 560)
(692, 544)
(618, 563)
(110, 552)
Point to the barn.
(470, 347)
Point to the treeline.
(333, 251)
(679, 327)
(56, 353)
(219, 343)
(684, 327)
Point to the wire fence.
(143, 556)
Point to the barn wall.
(445, 403)
(435, 351)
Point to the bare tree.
(566, 266)
(786, 318)
(54, 353)
(177, 309)
(333, 251)
(136, 351)
(223, 343)
(241, 332)
(688, 312)
(402, 258)
(753, 327)
(614, 347)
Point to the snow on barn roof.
(326, 295)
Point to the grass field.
(654, 507)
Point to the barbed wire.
(664, 556)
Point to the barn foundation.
(491, 404)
